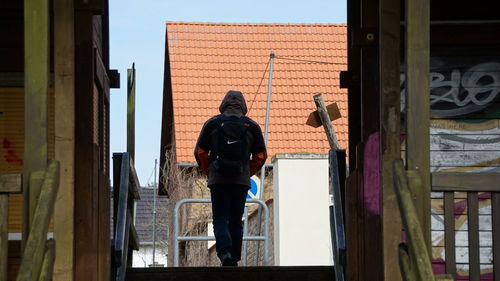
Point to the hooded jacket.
(233, 104)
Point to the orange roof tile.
(208, 59)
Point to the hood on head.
(233, 103)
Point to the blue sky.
(137, 34)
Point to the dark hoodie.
(233, 104)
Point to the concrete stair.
(267, 273)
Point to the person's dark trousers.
(228, 204)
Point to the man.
(230, 149)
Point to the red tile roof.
(208, 59)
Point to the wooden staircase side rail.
(418, 259)
(34, 250)
(125, 234)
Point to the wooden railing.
(414, 259)
(39, 253)
(125, 191)
(472, 184)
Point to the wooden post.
(64, 72)
(4, 239)
(34, 249)
(418, 106)
(131, 111)
(325, 120)
(390, 143)
(36, 80)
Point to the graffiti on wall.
(465, 137)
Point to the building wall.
(144, 257)
(301, 211)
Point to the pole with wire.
(266, 133)
(154, 213)
(266, 124)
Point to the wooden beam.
(325, 120)
(420, 258)
(390, 144)
(10, 183)
(418, 106)
(495, 224)
(473, 235)
(64, 72)
(34, 251)
(46, 273)
(36, 80)
(449, 233)
(4, 238)
(131, 111)
(466, 182)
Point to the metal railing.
(177, 239)
(125, 192)
(337, 171)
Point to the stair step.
(261, 273)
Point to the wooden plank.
(466, 182)
(131, 111)
(390, 144)
(420, 257)
(495, 210)
(449, 233)
(473, 228)
(36, 82)
(325, 120)
(10, 183)
(408, 272)
(34, 249)
(47, 271)
(327, 123)
(4, 239)
(64, 123)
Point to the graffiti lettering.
(459, 94)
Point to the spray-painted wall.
(465, 137)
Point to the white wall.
(301, 212)
(144, 257)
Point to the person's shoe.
(226, 259)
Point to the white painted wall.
(301, 210)
(144, 257)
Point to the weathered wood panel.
(12, 143)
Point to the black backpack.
(230, 151)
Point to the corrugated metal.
(12, 139)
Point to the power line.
(258, 88)
(311, 61)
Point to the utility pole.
(266, 124)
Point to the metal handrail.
(124, 232)
(337, 214)
(178, 238)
